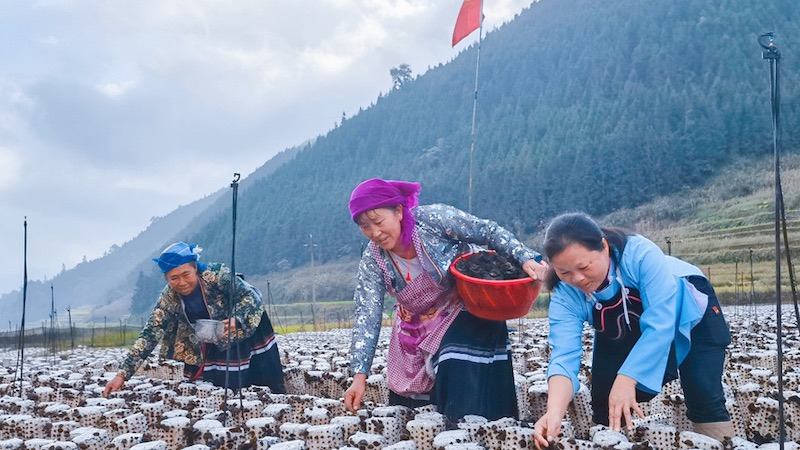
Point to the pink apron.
(429, 310)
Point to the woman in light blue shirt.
(656, 318)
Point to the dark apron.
(614, 339)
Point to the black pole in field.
(772, 55)
(231, 300)
(53, 324)
(71, 330)
(21, 353)
(789, 264)
(272, 311)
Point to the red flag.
(469, 20)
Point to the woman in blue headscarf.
(197, 291)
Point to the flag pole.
(474, 110)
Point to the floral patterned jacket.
(445, 233)
(168, 322)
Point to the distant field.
(726, 228)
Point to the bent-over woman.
(656, 318)
(247, 351)
(438, 353)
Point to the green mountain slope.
(598, 105)
(713, 226)
(595, 105)
(725, 225)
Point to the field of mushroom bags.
(58, 405)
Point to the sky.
(114, 112)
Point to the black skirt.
(253, 361)
(474, 371)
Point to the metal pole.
(741, 283)
(71, 330)
(58, 335)
(474, 111)
(311, 246)
(21, 359)
(752, 286)
(235, 188)
(53, 325)
(736, 291)
(52, 314)
(787, 250)
(772, 54)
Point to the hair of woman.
(579, 228)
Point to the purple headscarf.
(377, 193)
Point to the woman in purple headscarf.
(439, 353)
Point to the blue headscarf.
(178, 254)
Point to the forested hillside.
(591, 105)
(583, 104)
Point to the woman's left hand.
(536, 270)
(229, 327)
(621, 401)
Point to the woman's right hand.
(114, 385)
(559, 394)
(536, 270)
(547, 429)
(354, 395)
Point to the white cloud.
(346, 45)
(9, 168)
(114, 112)
(118, 89)
(49, 40)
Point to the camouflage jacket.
(168, 322)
